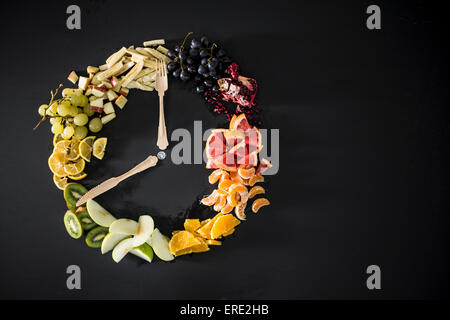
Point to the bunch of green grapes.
(70, 115)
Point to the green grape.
(95, 125)
(67, 92)
(42, 109)
(57, 128)
(81, 119)
(84, 101)
(63, 110)
(55, 120)
(50, 113)
(87, 109)
(76, 100)
(73, 111)
(68, 132)
(80, 132)
(54, 107)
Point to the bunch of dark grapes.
(199, 60)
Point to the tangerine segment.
(239, 210)
(220, 203)
(225, 176)
(205, 231)
(182, 240)
(226, 234)
(237, 189)
(223, 224)
(255, 179)
(215, 176)
(235, 177)
(211, 199)
(213, 243)
(227, 208)
(255, 191)
(246, 172)
(258, 203)
(191, 224)
(225, 184)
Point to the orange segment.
(223, 224)
(211, 199)
(225, 184)
(255, 191)
(239, 210)
(191, 224)
(215, 176)
(258, 203)
(246, 172)
(255, 179)
(226, 234)
(182, 240)
(213, 243)
(205, 231)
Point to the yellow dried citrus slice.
(62, 147)
(79, 176)
(60, 182)
(74, 168)
(56, 165)
(57, 138)
(85, 148)
(73, 150)
(99, 148)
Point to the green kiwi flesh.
(73, 225)
(95, 237)
(72, 193)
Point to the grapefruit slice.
(239, 122)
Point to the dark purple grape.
(200, 89)
(208, 82)
(182, 55)
(202, 69)
(204, 61)
(221, 53)
(171, 54)
(195, 44)
(220, 66)
(212, 64)
(172, 66)
(215, 88)
(193, 52)
(212, 73)
(204, 53)
(205, 42)
(189, 60)
(185, 75)
(176, 73)
(176, 49)
(191, 69)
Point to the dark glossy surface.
(363, 118)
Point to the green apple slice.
(144, 230)
(144, 251)
(111, 240)
(124, 226)
(160, 245)
(99, 214)
(121, 249)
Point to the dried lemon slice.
(73, 151)
(60, 182)
(74, 168)
(79, 176)
(56, 165)
(99, 148)
(57, 138)
(85, 148)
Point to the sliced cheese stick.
(133, 73)
(162, 50)
(125, 67)
(138, 85)
(158, 55)
(136, 55)
(144, 72)
(116, 57)
(143, 52)
(111, 71)
(150, 64)
(154, 42)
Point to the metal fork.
(161, 86)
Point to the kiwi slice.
(73, 225)
(95, 237)
(72, 193)
(86, 221)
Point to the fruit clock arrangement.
(79, 114)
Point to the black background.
(363, 166)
